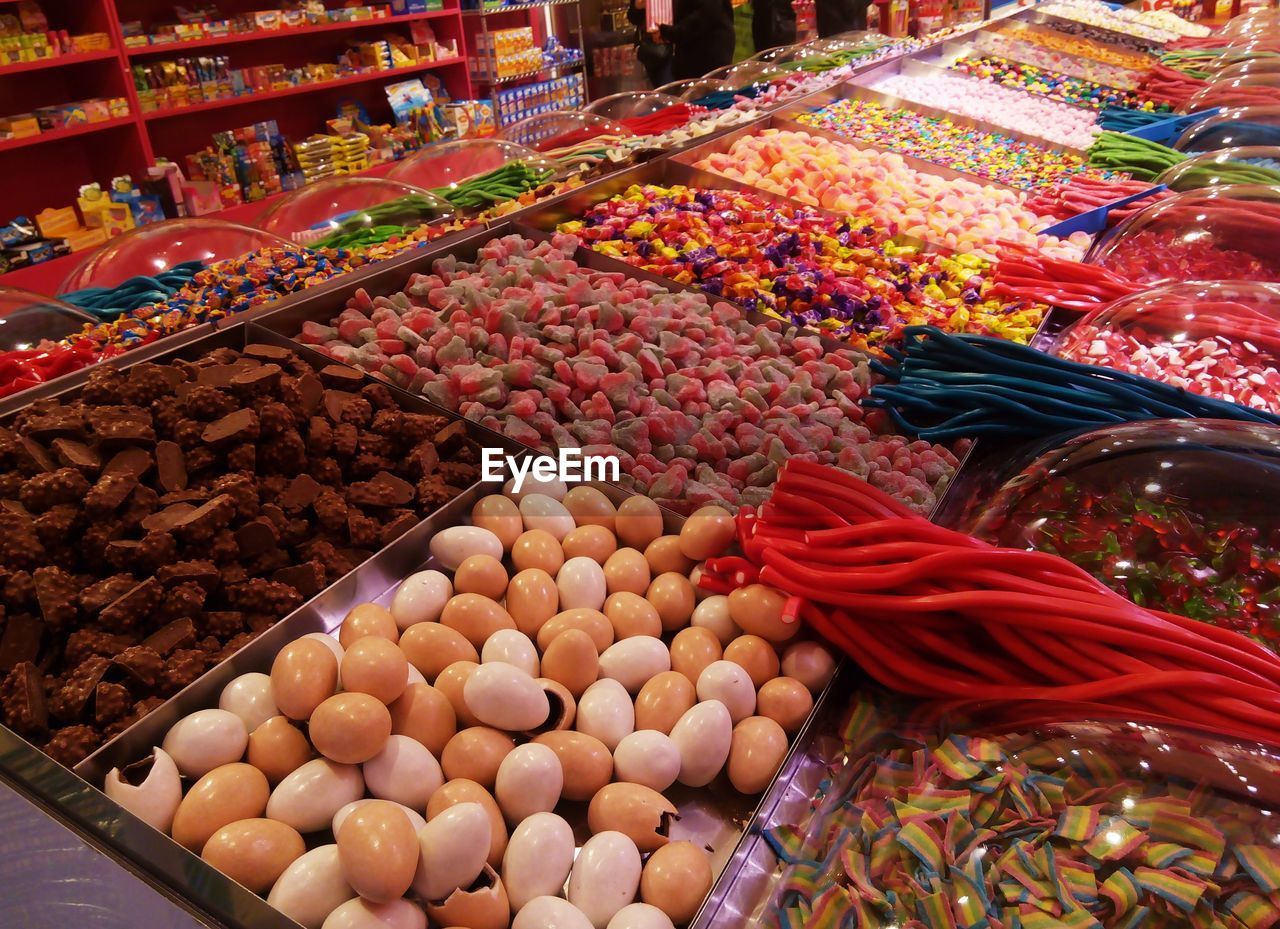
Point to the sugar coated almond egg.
(537, 548)
(249, 697)
(786, 701)
(755, 754)
(639, 521)
(278, 748)
(586, 762)
(647, 757)
(504, 697)
(378, 851)
(452, 851)
(454, 545)
(664, 555)
(546, 513)
(227, 793)
(308, 797)
(376, 667)
(451, 682)
(368, 619)
(810, 664)
(476, 754)
(462, 790)
(205, 740)
(605, 876)
(702, 736)
(631, 614)
(640, 916)
(499, 515)
(529, 781)
(581, 584)
(605, 712)
(254, 852)
(594, 542)
(350, 727)
(311, 887)
(404, 772)
(420, 598)
(362, 914)
(483, 575)
(303, 675)
(707, 533)
(757, 609)
(633, 662)
(627, 570)
(571, 659)
(590, 507)
(538, 859)
(692, 650)
(416, 820)
(663, 700)
(672, 596)
(512, 647)
(431, 647)
(676, 879)
(592, 622)
(532, 599)
(475, 617)
(755, 656)
(424, 714)
(550, 913)
(731, 685)
(713, 613)
(640, 813)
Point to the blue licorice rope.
(127, 296)
(1118, 119)
(947, 387)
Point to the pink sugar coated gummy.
(700, 405)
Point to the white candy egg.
(420, 598)
(538, 511)
(713, 613)
(647, 757)
(249, 697)
(452, 546)
(581, 584)
(453, 849)
(311, 887)
(549, 486)
(415, 818)
(639, 916)
(361, 914)
(504, 697)
(550, 913)
(513, 647)
(404, 772)
(633, 661)
(605, 711)
(529, 781)
(206, 740)
(156, 798)
(538, 859)
(308, 798)
(605, 877)
(702, 736)
(729, 683)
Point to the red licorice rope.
(935, 613)
(1082, 193)
(1027, 274)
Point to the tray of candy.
(1036, 17)
(1070, 63)
(717, 817)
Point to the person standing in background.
(773, 23)
(653, 54)
(836, 16)
(701, 35)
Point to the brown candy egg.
(692, 650)
(226, 794)
(277, 748)
(431, 647)
(475, 754)
(594, 542)
(483, 905)
(757, 609)
(755, 754)
(672, 596)
(499, 515)
(483, 575)
(476, 617)
(425, 714)
(378, 851)
(350, 728)
(663, 555)
(464, 790)
(640, 813)
(707, 533)
(303, 675)
(564, 706)
(663, 700)
(572, 660)
(590, 507)
(676, 879)
(537, 548)
(254, 852)
(786, 701)
(755, 656)
(592, 622)
(586, 762)
(451, 682)
(639, 521)
(368, 619)
(532, 599)
(376, 667)
(632, 615)
(627, 570)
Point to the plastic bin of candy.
(346, 211)
(1252, 90)
(1234, 126)
(1219, 233)
(1243, 164)
(1090, 69)
(27, 319)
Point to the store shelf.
(542, 74)
(57, 134)
(258, 35)
(516, 7)
(300, 89)
(57, 61)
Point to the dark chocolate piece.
(264, 351)
(307, 578)
(171, 467)
(21, 640)
(301, 492)
(135, 461)
(341, 377)
(178, 634)
(166, 519)
(75, 454)
(240, 426)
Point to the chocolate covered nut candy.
(153, 523)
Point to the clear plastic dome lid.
(1246, 125)
(1243, 164)
(1251, 23)
(27, 319)
(1176, 515)
(448, 164)
(696, 88)
(630, 104)
(153, 249)
(548, 131)
(1257, 63)
(1217, 339)
(1254, 90)
(746, 73)
(849, 41)
(771, 54)
(1226, 233)
(347, 204)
